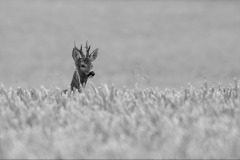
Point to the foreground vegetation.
(108, 122)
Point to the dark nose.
(91, 74)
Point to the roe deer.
(83, 64)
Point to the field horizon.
(170, 43)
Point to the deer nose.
(91, 74)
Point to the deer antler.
(81, 52)
(87, 49)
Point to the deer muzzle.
(91, 74)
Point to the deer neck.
(83, 78)
(79, 80)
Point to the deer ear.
(93, 55)
(76, 54)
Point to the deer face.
(85, 65)
(84, 62)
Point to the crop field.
(108, 122)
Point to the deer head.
(83, 63)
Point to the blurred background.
(163, 44)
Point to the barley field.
(108, 122)
(166, 85)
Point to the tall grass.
(110, 122)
